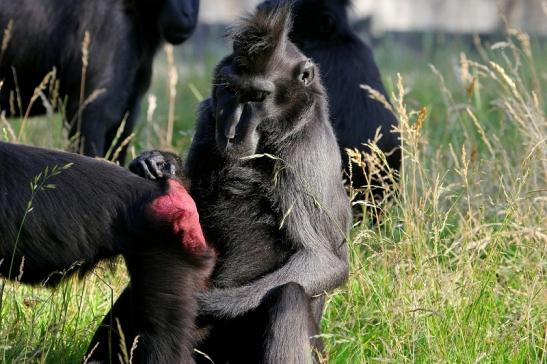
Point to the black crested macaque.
(322, 31)
(124, 36)
(265, 173)
(84, 210)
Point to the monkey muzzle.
(236, 113)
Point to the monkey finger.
(172, 169)
(144, 171)
(154, 166)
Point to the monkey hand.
(156, 165)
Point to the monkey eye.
(258, 96)
(327, 24)
(231, 89)
(257, 90)
(306, 72)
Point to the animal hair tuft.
(259, 34)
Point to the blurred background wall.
(451, 16)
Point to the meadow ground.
(454, 270)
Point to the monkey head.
(265, 86)
(178, 19)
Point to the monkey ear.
(306, 72)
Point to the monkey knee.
(292, 290)
(289, 306)
(290, 328)
(290, 295)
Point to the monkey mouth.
(177, 33)
(176, 37)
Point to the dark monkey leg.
(291, 334)
(282, 330)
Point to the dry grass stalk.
(85, 63)
(46, 81)
(173, 81)
(6, 37)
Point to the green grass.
(454, 272)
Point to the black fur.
(124, 37)
(90, 211)
(266, 175)
(322, 31)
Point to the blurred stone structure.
(451, 16)
(224, 11)
(454, 16)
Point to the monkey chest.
(242, 222)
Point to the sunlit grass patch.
(454, 270)
(454, 267)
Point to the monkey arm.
(157, 164)
(316, 221)
(316, 271)
(320, 263)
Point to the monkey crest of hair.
(177, 209)
(258, 35)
